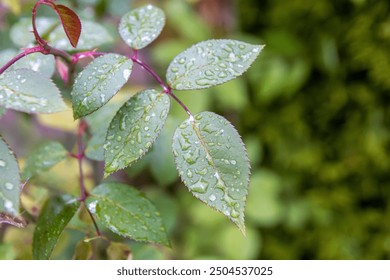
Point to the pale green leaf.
(21, 34)
(211, 63)
(134, 129)
(139, 27)
(28, 91)
(98, 123)
(99, 81)
(127, 212)
(213, 164)
(43, 157)
(44, 64)
(53, 218)
(9, 181)
(92, 35)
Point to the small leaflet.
(139, 27)
(212, 162)
(211, 63)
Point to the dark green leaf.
(125, 211)
(134, 129)
(9, 181)
(213, 164)
(42, 158)
(210, 63)
(28, 91)
(141, 26)
(99, 82)
(54, 216)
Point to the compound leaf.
(43, 157)
(99, 82)
(139, 27)
(134, 129)
(213, 164)
(28, 91)
(9, 181)
(127, 212)
(211, 63)
(53, 218)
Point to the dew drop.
(234, 214)
(233, 162)
(212, 197)
(199, 187)
(2, 163)
(189, 173)
(126, 74)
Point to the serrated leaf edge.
(106, 174)
(107, 199)
(191, 119)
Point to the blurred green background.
(313, 111)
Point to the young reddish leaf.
(70, 22)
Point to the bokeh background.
(313, 112)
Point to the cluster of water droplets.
(202, 151)
(141, 26)
(18, 92)
(210, 63)
(134, 129)
(100, 81)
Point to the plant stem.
(167, 89)
(80, 156)
(135, 59)
(19, 56)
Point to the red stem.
(167, 89)
(19, 56)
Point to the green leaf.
(53, 218)
(21, 34)
(99, 82)
(213, 164)
(9, 181)
(127, 212)
(211, 63)
(28, 91)
(44, 64)
(92, 35)
(139, 27)
(70, 22)
(43, 157)
(98, 123)
(134, 129)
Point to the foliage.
(312, 111)
(215, 168)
